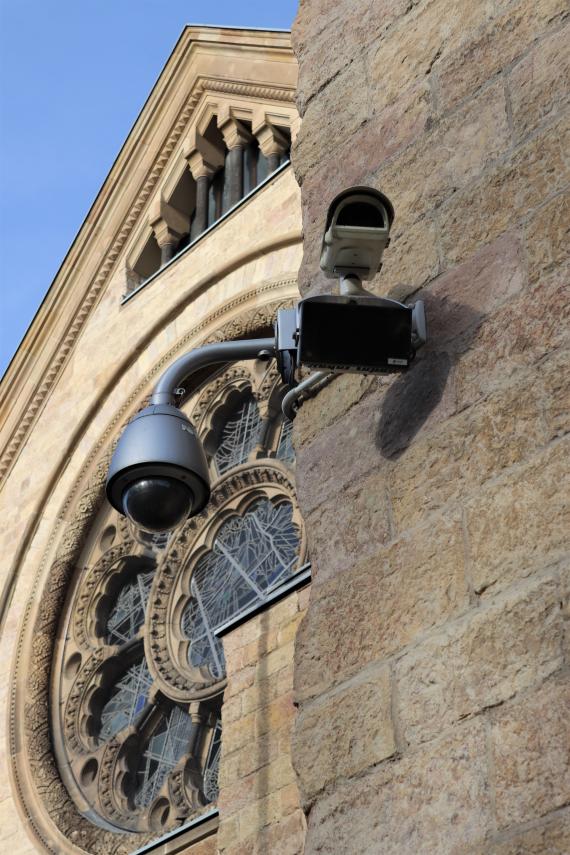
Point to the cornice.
(30, 351)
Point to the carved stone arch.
(215, 393)
(232, 495)
(52, 817)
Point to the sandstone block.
(275, 716)
(495, 45)
(332, 117)
(344, 733)
(506, 194)
(531, 754)
(516, 336)
(556, 383)
(481, 661)
(412, 261)
(435, 800)
(238, 681)
(228, 832)
(251, 758)
(539, 83)
(274, 661)
(238, 733)
(259, 814)
(520, 523)
(262, 693)
(439, 163)
(286, 837)
(320, 58)
(416, 44)
(379, 606)
(334, 538)
(547, 236)
(465, 295)
(332, 402)
(339, 456)
(552, 838)
(453, 461)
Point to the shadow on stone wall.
(414, 395)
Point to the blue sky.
(73, 77)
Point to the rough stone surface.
(493, 46)
(259, 799)
(552, 838)
(433, 800)
(485, 658)
(486, 209)
(531, 753)
(422, 38)
(436, 501)
(539, 83)
(520, 523)
(547, 236)
(325, 732)
(381, 605)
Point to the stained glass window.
(240, 435)
(166, 746)
(127, 615)
(125, 697)
(285, 450)
(251, 554)
(127, 700)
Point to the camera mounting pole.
(209, 354)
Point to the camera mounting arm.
(209, 354)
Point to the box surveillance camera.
(357, 232)
(360, 334)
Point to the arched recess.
(54, 820)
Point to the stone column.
(204, 160)
(272, 142)
(203, 178)
(236, 138)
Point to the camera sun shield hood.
(159, 441)
(357, 232)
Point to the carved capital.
(271, 140)
(167, 223)
(199, 166)
(235, 134)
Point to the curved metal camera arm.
(209, 354)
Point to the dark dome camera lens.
(157, 504)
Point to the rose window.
(140, 671)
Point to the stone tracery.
(142, 676)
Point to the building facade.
(406, 691)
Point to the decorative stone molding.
(53, 818)
(234, 132)
(272, 141)
(167, 223)
(166, 649)
(36, 401)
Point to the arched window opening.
(250, 556)
(140, 672)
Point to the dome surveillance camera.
(158, 475)
(357, 232)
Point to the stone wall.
(431, 670)
(259, 797)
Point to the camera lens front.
(157, 504)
